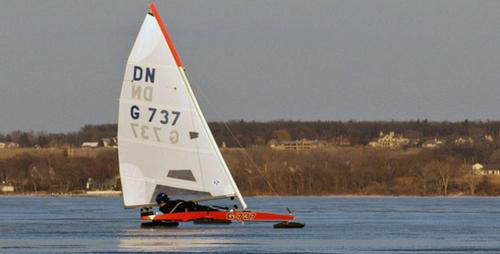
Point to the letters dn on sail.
(149, 74)
(143, 92)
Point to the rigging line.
(245, 152)
(194, 113)
(212, 141)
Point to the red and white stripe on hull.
(220, 215)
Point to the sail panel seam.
(131, 140)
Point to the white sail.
(165, 144)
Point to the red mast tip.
(163, 29)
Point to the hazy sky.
(62, 62)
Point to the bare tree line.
(29, 172)
(355, 171)
(351, 170)
(269, 172)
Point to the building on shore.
(390, 140)
(303, 144)
(8, 145)
(109, 142)
(432, 143)
(487, 169)
(104, 142)
(6, 187)
(463, 141)
(488, 138)
(90, 144)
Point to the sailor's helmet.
(161, 197)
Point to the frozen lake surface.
(333, 225)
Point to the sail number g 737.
(135, 113)
(154, 116)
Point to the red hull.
(220, 215)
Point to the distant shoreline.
(69, 194)
(119, 194)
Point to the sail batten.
(168, 146)
(165, 144)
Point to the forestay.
(165, 144)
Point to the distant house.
(89, 183)
(477, 166)
(463, 141)
(9, 145)
(391, 140)
(488, 138)
(90, 144)
(6, 187)
(108, 142)
(302, 144)
(115, 142)
(488, 169)
(104, 142)
(432, 143)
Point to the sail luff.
(212, 140)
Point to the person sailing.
(178, 206)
